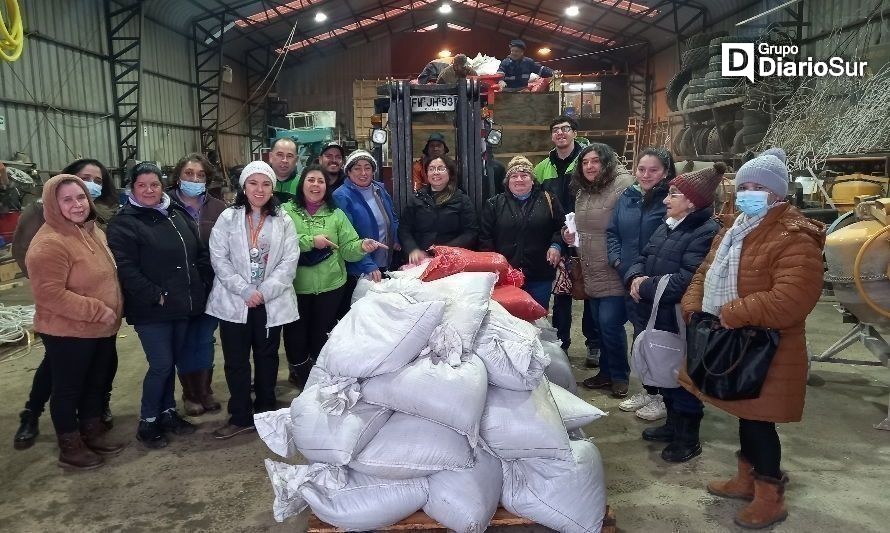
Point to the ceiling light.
(572, 11)
(445, 8)
(544, 51)
(320, 17)
(445, 53)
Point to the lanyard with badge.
(254, 251)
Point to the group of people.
(282, 262)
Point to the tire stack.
(686, 89)
(718, 88)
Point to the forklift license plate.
(444, 102)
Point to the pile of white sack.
(429, 395)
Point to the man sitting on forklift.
(435, 147)
(517, 68)
(459, 69)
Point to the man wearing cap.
(283, 160)
(457, 70)
(517, 68)
(331, 160)
(435, 147)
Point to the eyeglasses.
(561, 129)
(676, 195)
(437, 169)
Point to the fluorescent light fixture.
(544, 51)
(586, 86)
(320, 17)
(445, 8)
(572, 11)
(445, 53)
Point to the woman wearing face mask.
(439, 213)
(676, 249)
(78, 313)
(327, 241)
(598, 181)
(254, 252)
(766, 271)
(165, 273)
(188, 188)
(522, 224)
(639, 212)
(104, 194)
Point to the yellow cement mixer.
(857, 257)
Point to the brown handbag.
(576, 274)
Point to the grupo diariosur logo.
(739, 60)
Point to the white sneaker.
(638, 400)
(654, 411)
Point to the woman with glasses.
(598, 181)
(522, 224)
(438, 214)
(188, 189)
(676, 249)
(164, 271)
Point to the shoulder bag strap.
(662, 285)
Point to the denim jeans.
(199, 344)
(611, 314)
(163, 344)
(562, 321)
(682, 401)
(539, 291)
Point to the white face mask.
(95, 189)
(752, 203)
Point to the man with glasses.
(555, 173)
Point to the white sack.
(574, 411)
(442, 385)
(559, 371)
(466, 501)
(380, 334)
(466, 296)
(408, 447)
(548, 332)
(567, 497)
(523, 424)
(273, 427)
(330, 425)
(510, 349)
(345, 499)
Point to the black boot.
(151, 435)
(28, 430)
(171, 422)
(107, 417)
(663, 433)
(685, 445)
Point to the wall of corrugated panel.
(166, 144)
(233, 149)
(238, 87)
(77, 22)
(167, 52)
(326, 84)
(168, 101)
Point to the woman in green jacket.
(327, 241)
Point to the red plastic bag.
(513, 277)
(518, 303)
(450, 260)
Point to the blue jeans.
(163, 344)
(611, 315)
(562, 321)
(682, 401)
(539, 291)
(199, 344)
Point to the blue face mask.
(95, 189)
(523, 197)
(192, 189)
(752, 203)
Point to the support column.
(124, 22)
(208, 40)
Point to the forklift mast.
(467, 121)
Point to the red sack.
(450, 260)
(513, 277)
(518, 303)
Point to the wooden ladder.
(630, 141)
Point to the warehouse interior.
(126, 81)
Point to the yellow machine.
(857, 256)
(848, 186)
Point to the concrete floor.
(837, 463)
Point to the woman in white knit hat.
(764, 271)
(254, 252)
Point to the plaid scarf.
(722, 279)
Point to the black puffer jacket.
(523, 235)
(157, 255)
(423, 223)
(678, 252)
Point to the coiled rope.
(12, 35)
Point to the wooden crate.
(420, 522)
(363, 94)
(525, 119)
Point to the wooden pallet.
(420, 522)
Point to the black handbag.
(314, 256)
(728, 364)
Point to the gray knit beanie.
(356, 156)
(768, 169)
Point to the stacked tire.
(686, 89)
(716, 87)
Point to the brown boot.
(204, 380)
(93, 433)
(768, 506)
(740, 487)
(73, 454)
(191, 402)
